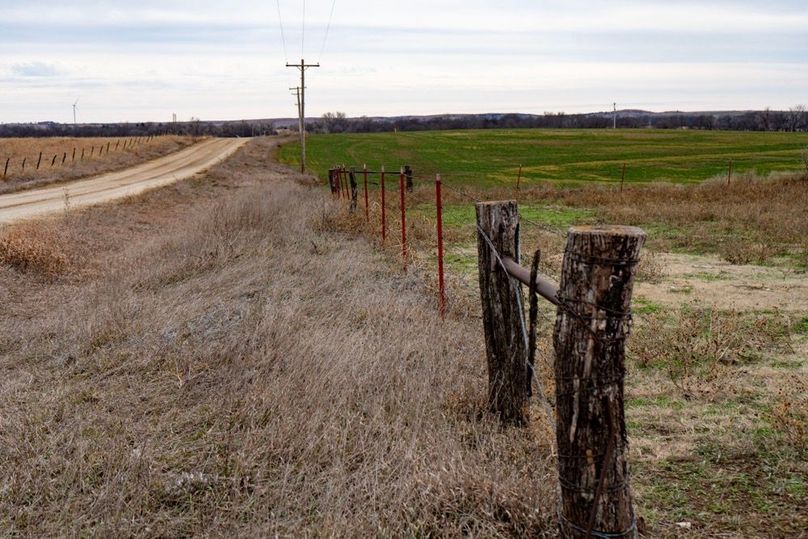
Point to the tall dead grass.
(753, 220)
(243, 372)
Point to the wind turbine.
(74, 110)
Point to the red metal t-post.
(384, 211)
(441, 276)
(401, 187)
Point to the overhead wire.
(283, 34)
(303, 32)
(327, 30)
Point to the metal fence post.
(384, 209)
(402, 187)
(441, 275)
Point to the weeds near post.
(695, 344)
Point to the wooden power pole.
(296, 93)
(302, 66)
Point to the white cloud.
(144, 60)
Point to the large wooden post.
(592, 325)
(503, 317)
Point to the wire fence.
(70, 156)
(390, 210)
(578, 315)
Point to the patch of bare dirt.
(713, 281)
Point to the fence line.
(593, 306)
(102, 150)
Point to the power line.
(283, 35)
(303, 32)
(328, 28)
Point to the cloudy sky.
(225, 59)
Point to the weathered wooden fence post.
(39, 161)
(591, 328)
(503, 317)
(5, 171)
(367, 202)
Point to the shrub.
(32, 249)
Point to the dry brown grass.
(230, 356)
(715, 426)
(753, 220)
(233, 369)
(750, 221)
(696, 345)
(96, 159)
(33, 249)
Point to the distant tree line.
(794, 119)
(194, 128)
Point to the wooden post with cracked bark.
(591, 328)
(503, 316)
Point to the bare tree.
(796, 118)
(335, 122)
(764, 118)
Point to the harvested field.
(92, 156)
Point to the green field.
(492, 157)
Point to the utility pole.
(615, 116)
(296, 93)
(302, 66)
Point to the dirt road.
(114, 185)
